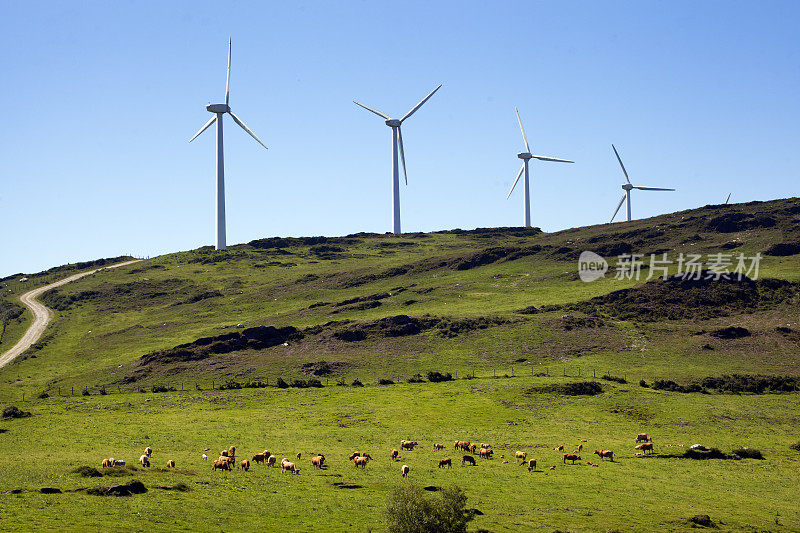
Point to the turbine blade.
(524, 137)
(402, 153)
(204, 128)
(728, 198)
(420, 104)
(545, 158)
(245, 128)
(651, 188)
(387, 117)
(228, 82)
(620, 164)
(515, 181)
(617, 210)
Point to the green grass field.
(470, 286)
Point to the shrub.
(747, 453)
(416, 378)
(12, 411)
(383, 381)
(357, 383)
(85, 392)
(702, 520)
(87, 471)
(298, 383)
(341, 383)
(713, 453)
(103, 391)
(437, 377)
(314, 383)
(230, 385)
(162, 388)
(615, 379)
(578, 388)
(281, 384)
(643, 383)
(795, 446)
(43, 396)
(410, 509)
(254, 385)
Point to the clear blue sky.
(100, 99)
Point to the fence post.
(594, 373)
(23, 396)
(565, 371)
(72, 393)
(512, 371)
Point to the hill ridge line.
(42, 314)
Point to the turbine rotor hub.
(525, 155)
(393, 123)
(218, 108)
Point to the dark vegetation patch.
(739, 221)
(404, 325)
(570, 322)
(744, 452)
(493, 232)
(323, 368)
(72, 267)
(678, 298)
(345, 485)
(9, 311)
(50, 490)
(87, 471)
(731, 332)
(146, 268)
(615, 379)
(144, 292)
(530, 310)
(711, 453)
(180, 487)
(438, 377)
(735, 384)
(702, 520)
(783, 249)
(126, 489)
(12, 411)
(731, 245)
(795, 446)
(577, 388)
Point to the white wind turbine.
(627, 188)
(527, 156)
(219, 110)
(397, 138)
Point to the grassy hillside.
(505, 305)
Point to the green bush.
(12, 411)
(162, 388)
(615, 379)
(357, 383)
(795, 446)
(281, 384)
(416, 378)
(437, 377)
(383, 381)
(748, 453)
(643, 383)
(411, 510)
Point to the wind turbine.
(397, 138)
(627, 188)
(727, 199)
(219, 110)
(527, 156)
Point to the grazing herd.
(227, 457)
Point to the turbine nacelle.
(218, 108)
(525, 155)
(393, 123)
(627, 186)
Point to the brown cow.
(318, 461)
(298, 455)
(223, 453)
(467, 459)
(271, 460)
(605, 453)
(437, 446)
(559, 448)
(445, 462)
(408, 444)
(486, 453)
(259, 458)
(221, 464)
(570, 457)
(288, 466)
(119, 462)
(360, 461)
(108, 463)
(520, 455)
(354, 455)
(395, 454)
(232, 451)
(473, 447)
(244, 465)
(404, 470)
(461, 445)
(170, 464)
(646, 447)
(643, 437)
(531, 465)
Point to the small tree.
(411, 510)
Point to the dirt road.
(41, 314)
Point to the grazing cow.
(221, 464)
(404, 470)
(318, 461)
(605, 453)
(259, 458)
(580, 448)
(570, 457)
(205, 457)
(407, 444)
(520, 455)
(288, 466)
(473, 447)
(232, 451)
(360, 461)
(107, 463)
(271, 460)
(559, 448)
(437, 446)
(354, 455)
(244, 465)
(531, 465)
(445, 462)
(170, 464)
(267, 453)
(462, 445)
(368, 456)
(144, 460)
(643, 437)
(118, 462)
(148, 451)
(467, 459)
(486, 453)
(395, 454)
(298, 455)
(646, 447)
(223, 453)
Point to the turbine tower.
(219, 110)
(527, 156)
(397, 139)
(627, 188)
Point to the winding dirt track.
(41, 314)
